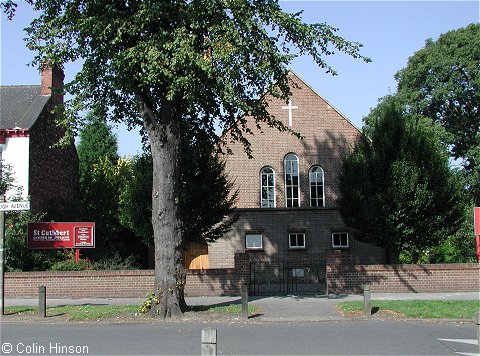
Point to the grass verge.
(428, 309)
(78, 312)
(98, 312)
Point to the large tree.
(397, 188)
(442, 82)
(162, 63)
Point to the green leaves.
(211, 59)
(442, 82)
(397, 188)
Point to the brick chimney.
(52, 82)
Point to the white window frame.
(316, 186)
(347, 245)
(290, 235)
(262, 172)
(288, 161)
(252, 246)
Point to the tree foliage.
(442, 82)
(206, 198)
(397, 188)
(96, 142)
(100, 184)
(161, 64)
(17, 256)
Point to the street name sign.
(15, 206)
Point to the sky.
(390, 31)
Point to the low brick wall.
(341, 278)
(125, 284)
(81, 284)
(404, 278)
(115, 284)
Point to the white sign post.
(6, 206)
(14, 205)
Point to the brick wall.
(124, 284)
(215, 282)
(275, 224)
(327, 137)
(115, 284)
(403, 278)
(53, 171)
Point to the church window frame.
(291, 166)
(340, 240)
(253, 241)
(268, 197)
(316, 179)
(296, 240)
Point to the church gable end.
(288, 192)
(327, 137)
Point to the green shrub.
(116, 262)
(17, 256)
(71, 265)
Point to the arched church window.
(267, 188)
(292, 181)
(317, 195)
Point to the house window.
(316, 187)
(292, 183)
(296, 240)
(267, 187)
(340, 240)
(254, 241)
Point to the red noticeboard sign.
(52, 235)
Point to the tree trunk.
(164, 137)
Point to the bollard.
(42, 301)
(367, 303)
(245, 301)
(477, 323)
(209, 342)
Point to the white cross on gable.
(289, 108)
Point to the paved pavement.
(272, 308)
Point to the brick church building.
(47, 174)
(288, 192)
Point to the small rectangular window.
(299, 272)
(254, 241)
(296, 240)
(340, 240)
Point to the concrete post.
(209, 342)
(2, 254)
(367, 303)
(245, 301)
(42, 301)
(477, 324)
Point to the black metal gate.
(285, 278)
